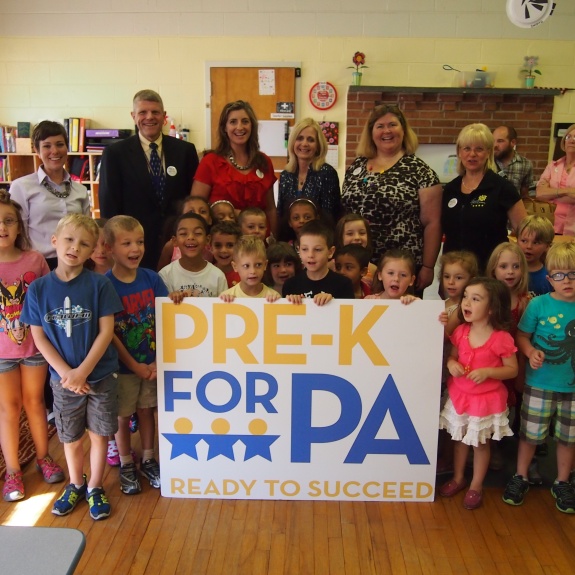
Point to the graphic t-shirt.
(15, 278)
(69, 314)
(135, 325)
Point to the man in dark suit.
(145, 175)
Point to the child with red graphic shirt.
(135, 340)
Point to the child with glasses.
(545, 336)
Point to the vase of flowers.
(530, 64)
(358, 64)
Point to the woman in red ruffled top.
(236, 170)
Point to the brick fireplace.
(438, 114)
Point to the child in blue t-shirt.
(135, 340)
(545, 336)
(71, 314)
(534, 236)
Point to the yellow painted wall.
(96, 77)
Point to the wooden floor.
(150, 534)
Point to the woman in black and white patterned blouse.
(398, 193)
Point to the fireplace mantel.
(444, 90)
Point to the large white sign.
(283, 401)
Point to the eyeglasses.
(560, 276)
(569, 137)
(9, 222)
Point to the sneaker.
(69, 499)
(113, 455)
(572, 477)
(98, 503)
(13, 486)
(515, 490)
(151, 471)
(50, 470)
(129, 481)
(564, 494)
(134, 423)
(533, 475)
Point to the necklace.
(236, 165)
(56, 192)
(467, 187)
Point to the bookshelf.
(18, 165)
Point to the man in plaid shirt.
(512, 166)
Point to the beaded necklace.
(236, 165)
(62, 195)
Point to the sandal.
(451, 488)
(473, 499)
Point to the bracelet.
(428, 267)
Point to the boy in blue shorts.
(71, 314)
(545, 336)
(135, 340)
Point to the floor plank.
(151, 535)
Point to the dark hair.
(359, 253)
(229, 228)
(318, 228)
(285, 231)
(499, 297)
(280, 252)
(366, 146)
(393, 254)
(47, 129)
(340, 229)
(223, 148)
(22, 240)
(191, 216)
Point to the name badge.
(172, 171)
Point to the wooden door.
(229, 84)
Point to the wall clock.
(323, 95)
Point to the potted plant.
(358, 63)
(529, 69)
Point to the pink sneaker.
(13, 487)
(113, 456)
(50, 470)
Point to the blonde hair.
(119, 223)
(22, 240)
(249, 245)
(367, 148)
(320, 153)
(476, 134)
(79, 221)
(539, 226)
(561, 256)
(522, 287)
(466, 260)
(569, 129)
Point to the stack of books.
(76, 129)
(97, 140)
(7, 139)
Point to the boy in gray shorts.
(71, 314)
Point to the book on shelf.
(74, 134)
(82, 135)
(7, 139)
(108, 133)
